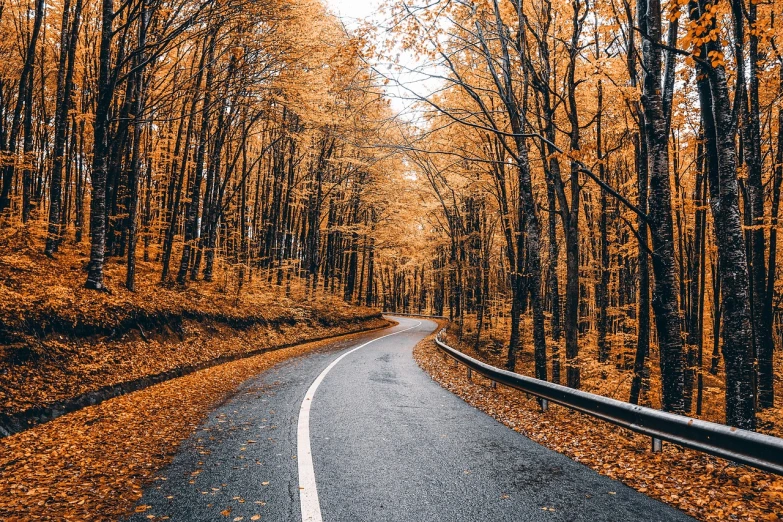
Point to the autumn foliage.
(589, 190)
(602, 180)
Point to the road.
(387, 444)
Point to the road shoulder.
(97, 460)
(702, 486)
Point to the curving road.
(386, 444)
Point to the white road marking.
(308, 492)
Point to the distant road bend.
(361, 433)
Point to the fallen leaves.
(702, 486)
(60, 340)
(94, 463)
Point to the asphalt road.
(387, 444)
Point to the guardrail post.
(470, 374)
(754, 449)
(493, 385)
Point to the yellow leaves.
(96, 460)
(226, 512)
(704, 487)
(716, 59)
(763, 226)
(700, 33)
(705, 29)
(255, 517)
(676, 10)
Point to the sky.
(352, 10)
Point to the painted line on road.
(308, 492)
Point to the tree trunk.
(191, 223)
(667, 312)
(768, 402)
(139, 94)
(25, 88)
(762, 324)
(101, 151)
(732, 260)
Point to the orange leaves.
(676, 9)
(91, 340)
(716, 58)
(704, 487)
(707, 28)
(94, 462)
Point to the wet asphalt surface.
(388, 444)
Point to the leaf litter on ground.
(704, 487)
(94, 463)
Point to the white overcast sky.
(352, 10)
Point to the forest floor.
(705, 487)
(59, 341)
(94, 463)
(613, 378)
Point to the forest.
(186, 133)
(583, 174)
(602, 183)
(589, 191)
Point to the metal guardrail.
(415, 315)
(747, 447)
